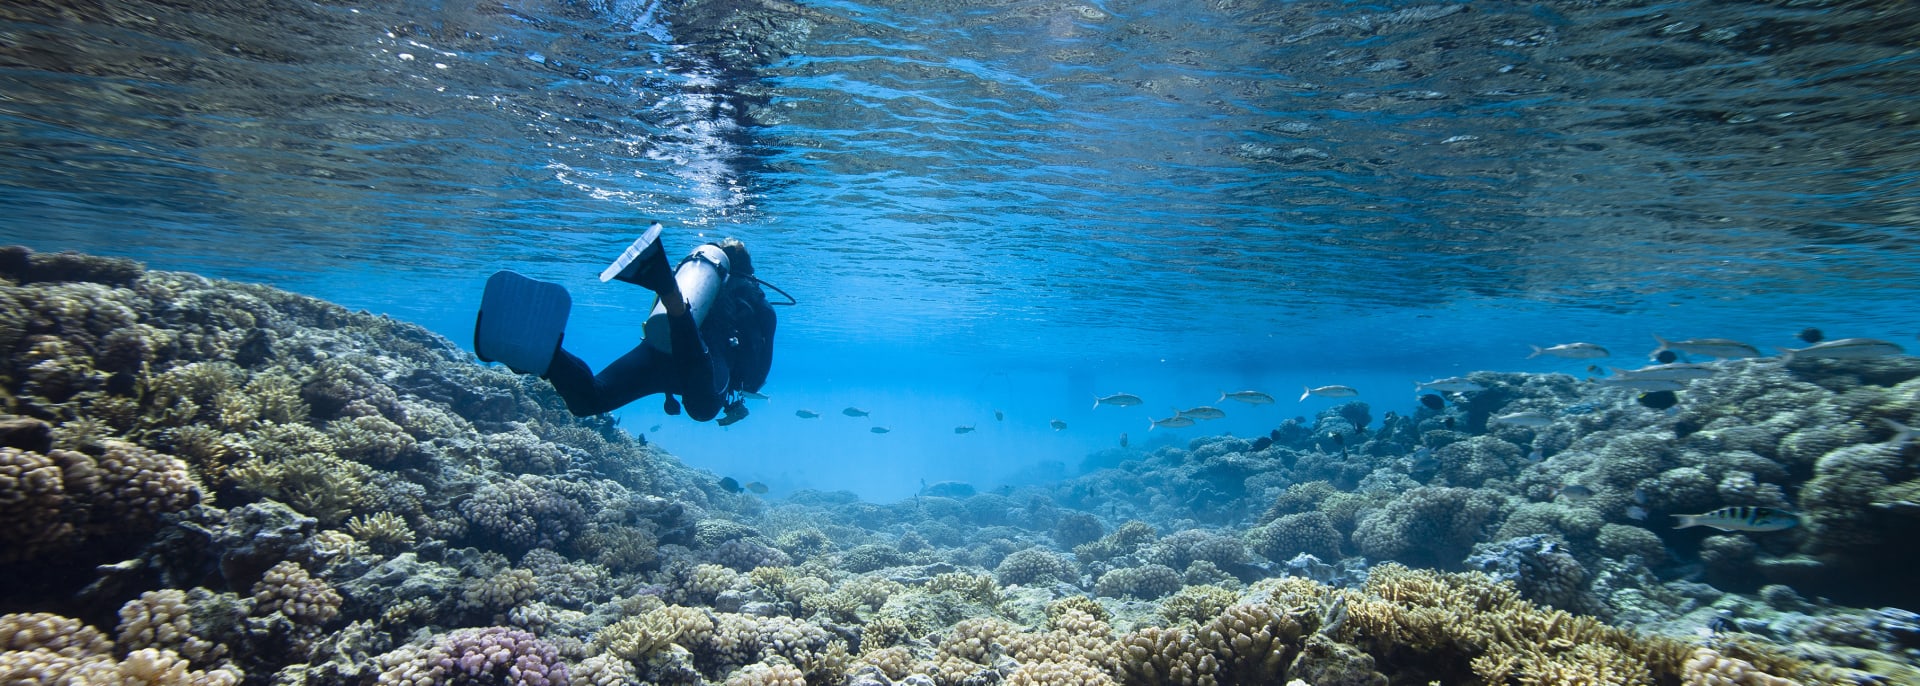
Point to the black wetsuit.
(733, 352)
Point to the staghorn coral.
(385, 528)
(635, 639)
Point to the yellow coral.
(634, 639)
(381, 527)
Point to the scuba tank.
(699, 276)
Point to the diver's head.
(739, 263)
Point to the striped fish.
(1742, 518)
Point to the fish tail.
(1304, 392)
(1684, 521)
(1537, 351)
(1901, 432)
(1786, 354)
(1151, 425)
(1096, 402)
(1223, 396)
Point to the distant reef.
(205, 482)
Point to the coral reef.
(244, 485)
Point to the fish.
(1636, 513)
(879, 429)
(1449, 423)
(1173, 422)
(1741, 518)
(1424, 460)
(1640, 384)
(1639, 496)
(806, 414)
(730, 485)
(855, 412)
(1433, 401)
(756, 487)
(1328, 392)
(1528, 418)
(1537, 455)
(1457, 384)
(1201, 412)
(1845, 349)
(1666, 357)
(1711, 347)
(1573, 492)
(1901, 432)
(1669, 372)
(1248, 397)
(750, 395)
(1571, 351)
(655, 429)
(1117, 400)
(1261, 443)
(1812, 335)
(1123, 439)
(998, 416)
(1057, 424)
(963, 429)
(1658, 400)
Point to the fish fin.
(1151, 425)
(1223, 396)
(1537, 351)
(1304, 392)
(1617, 371)
(1096, 402)
(1901, 432)
(1684, 521)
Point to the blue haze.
(1012, 206)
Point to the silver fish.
(1640, 384)
(1741, 518)
(750, 395)
(1537, 455)
(806, 414)
(1458, 384)
(1845, 349)
(880, 429)
(1201, 412)
(1711, 347)
(1057, 424)
(854, 412)
(1571, 351)
(1423, 459)
(1173, 422)
(1665, 372)
(1329, 392)
(1573, 492)
(1529, 418)
(1636, 513)
(1248, 397)
(963, 429)
(1117, 400)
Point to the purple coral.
(493, 655)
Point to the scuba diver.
(708, 340)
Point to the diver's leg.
(637, 374)
(701, 383)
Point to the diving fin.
(521, 322)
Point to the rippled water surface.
(1245, 185)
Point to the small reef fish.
(1457, 384)
(1636, 513)
(1123, 439)
(1741, 518)
(854, 412)
(1659, 400)
(757, 487)
(1845, 349)
(1201, 412)
(1812, 335)
(1573, 492)
(1537, 455)
(1529, 418)
(880, 429)
(1433, 401)
(1666, 372)
(1901, 432)
(1571, 351)
(1173, 422)
(1261, 443)
(1711, 347)
(1423, 460)
(730, 484)
(999, 416)
(655, 428)
(750, 395)
(1640, 384)
(1057, 424)
(1118, 400)
(1328, 392)
(1248, 397)
(963, 429)
(806, 414)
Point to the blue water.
(1009, 206)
